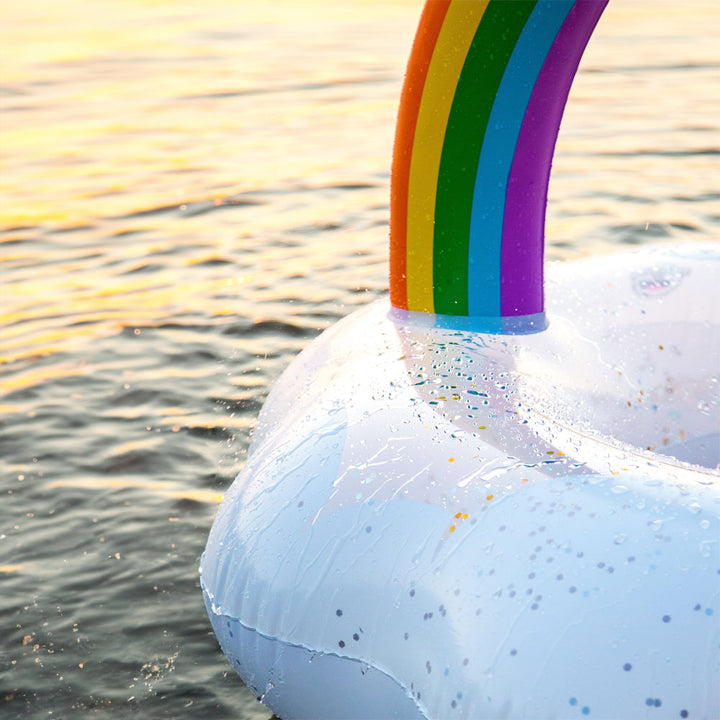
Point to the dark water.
(189, 195)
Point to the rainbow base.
(434, 522)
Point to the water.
(189, 194)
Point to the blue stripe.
(498, 149)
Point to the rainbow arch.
(479, 116)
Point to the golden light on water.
(34, 331)
(133, 114)
(114, 130)
(163, 489)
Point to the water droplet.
(620, 538)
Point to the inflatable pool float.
(462, 502)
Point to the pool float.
(463, 503)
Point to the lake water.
(189, 193)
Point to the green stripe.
(480, 78)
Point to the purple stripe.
(521, 282)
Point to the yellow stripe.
(452, 47)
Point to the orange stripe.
(420, 56)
